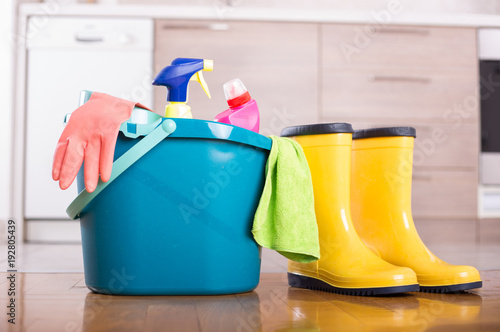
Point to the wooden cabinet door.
(444, 194)
(424, 77)
(277, 62)
(409, 93)
(354, 45)
(399, 72)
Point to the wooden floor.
(61, 302)
(50, 302)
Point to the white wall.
(7, 14)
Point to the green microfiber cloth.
(285, 220)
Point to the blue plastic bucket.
(178, 220)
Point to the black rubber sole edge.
(299, 281)
(451, 288)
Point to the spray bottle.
(243, 111)
(176, 78)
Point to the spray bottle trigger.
(198, 77)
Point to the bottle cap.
(236, 93)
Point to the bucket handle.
(166, 128)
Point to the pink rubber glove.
(90, 135)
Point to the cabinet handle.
(421, 32)
(210, 26)
(406, 79)
(421, 177)
(86, 39)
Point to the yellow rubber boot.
(346, 265)
(382, 160)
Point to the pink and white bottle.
(243, 111)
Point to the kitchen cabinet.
(65, 57)
(397, 46)
(277, 62)
(387, 93)
(299, 73)
(444, 194)
(424, 77)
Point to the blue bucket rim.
(204, 129)
(154, 129)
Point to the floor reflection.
(320, 311)
(300, 309)
(447, 309)
(239, 312)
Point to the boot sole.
(451, 288)
(299, 281)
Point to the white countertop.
(257, 14)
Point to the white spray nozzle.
(234, 88)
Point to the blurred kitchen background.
(431, 64)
